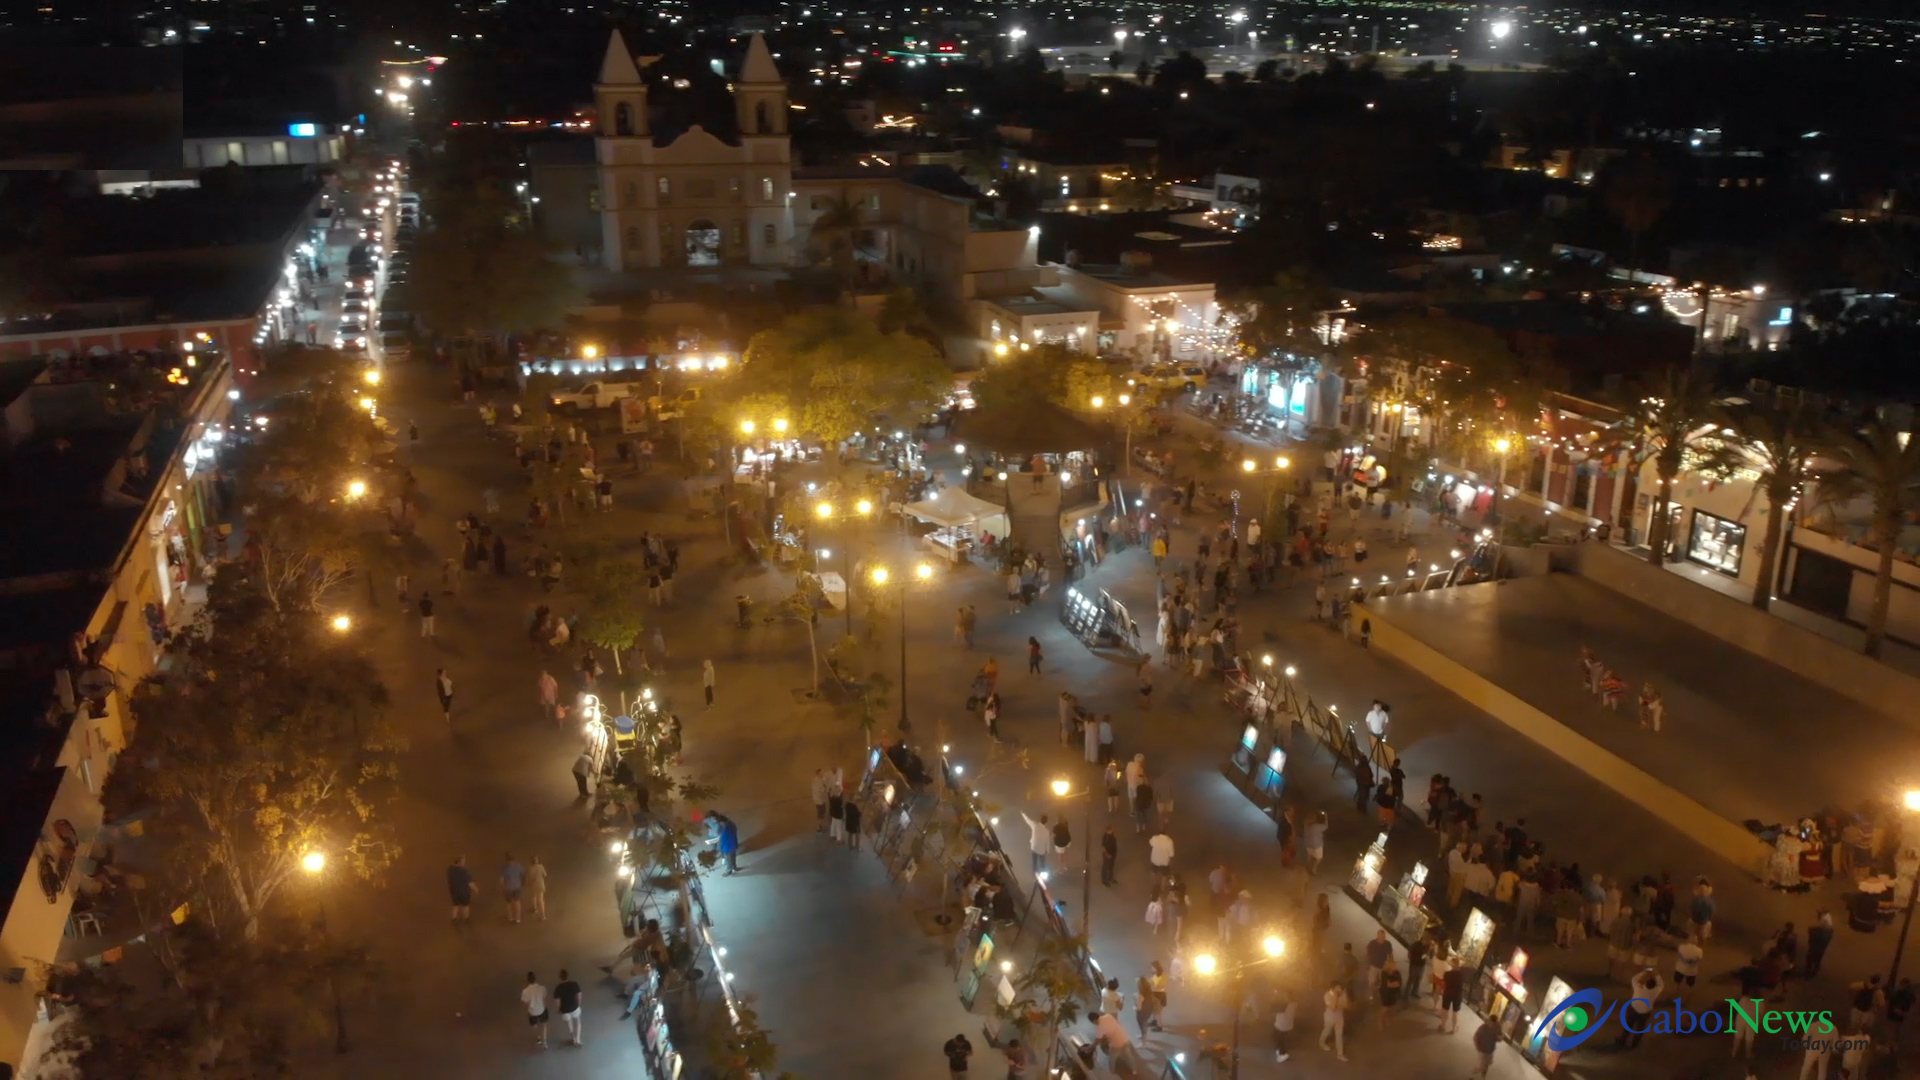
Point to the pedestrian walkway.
(1744, 737)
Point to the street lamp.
(825, 512)
(372, 376)
(341, 624)
(356, 488)
(315, 863)
(780, 425)
(746, 428)
(1207, 964)
(1501, 445)
(1063, 790)
(1913, 891)
(923, 572)
(588, 352)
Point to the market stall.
(960, 522)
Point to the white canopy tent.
(961, 519)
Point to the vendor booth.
(960, 522)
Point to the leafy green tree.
(744, 1050)
(1637, 192)
(1775, 439)
(234, 1010)
(615, 616)
(482, 268)
(1662, 425)
(267, 738)
(1876, 460)
(1044, 372)
(1047, 993)
(840, 368)
(1284, 316)
(303, 552)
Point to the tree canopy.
(830, 373)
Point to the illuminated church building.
(698, 200)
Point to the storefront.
(961, 523)
(1716, 542)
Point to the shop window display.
(1716, 542)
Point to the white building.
(697, 201)
(299, 144)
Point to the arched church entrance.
(703, 243)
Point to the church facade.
(698, 201)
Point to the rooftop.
(1561, 318)
(1029, 304)
(257, 206)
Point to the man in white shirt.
(534, 997)
(1040, 843)
(1637, 1015)
(1119, 1045)
(1160, 853)
(1377, 721)
(1333, 1023)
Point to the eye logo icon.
(1583, 1018)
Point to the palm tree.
(1669, 417)
(1882, 463)
(1638, 193)
(834, 231)
(1778, 439)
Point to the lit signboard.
(303, 131)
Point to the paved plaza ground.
(839, 968)
(1744, 736)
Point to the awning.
(953, 506)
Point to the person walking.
(499, 555)
(1143, 808)
(817, 788)
(426, 615)
(567, 994)
(1283, 1021)
(1819, 936)
(549, 694)
(513, 878)
(1486, 1039)
(1033, 656)
(1333, 1021)
(1160, 853)
(450, 571)
(707, 679)
(1313, 839)
(460, 888)
(1115, 785)
(1391, 985)
(534, 997)
(1040, 841)
(443, 687)
(853, 824)
(582, 769)
(730, 840)
(1109, 853)
(957, 1049)
(536, 882)
(836, 812)
(1146, 1006)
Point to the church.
(698, 201)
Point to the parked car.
(596, 395)
(1174, 377)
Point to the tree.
(235, 1010)
(614, 618)
(266, 739)
(1775, 438)
(743, 1050)
(1043, 372)
(1637, 193)
(832, 235)
(904, 312)
(1879, 461)
(1047, 993)
(802, 606)
(1661, 425)
(1181, 72)
(1284, 316)
(842, 369)
(1266, 71)
(303, 552)
(482, 268)
(1115, 59)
